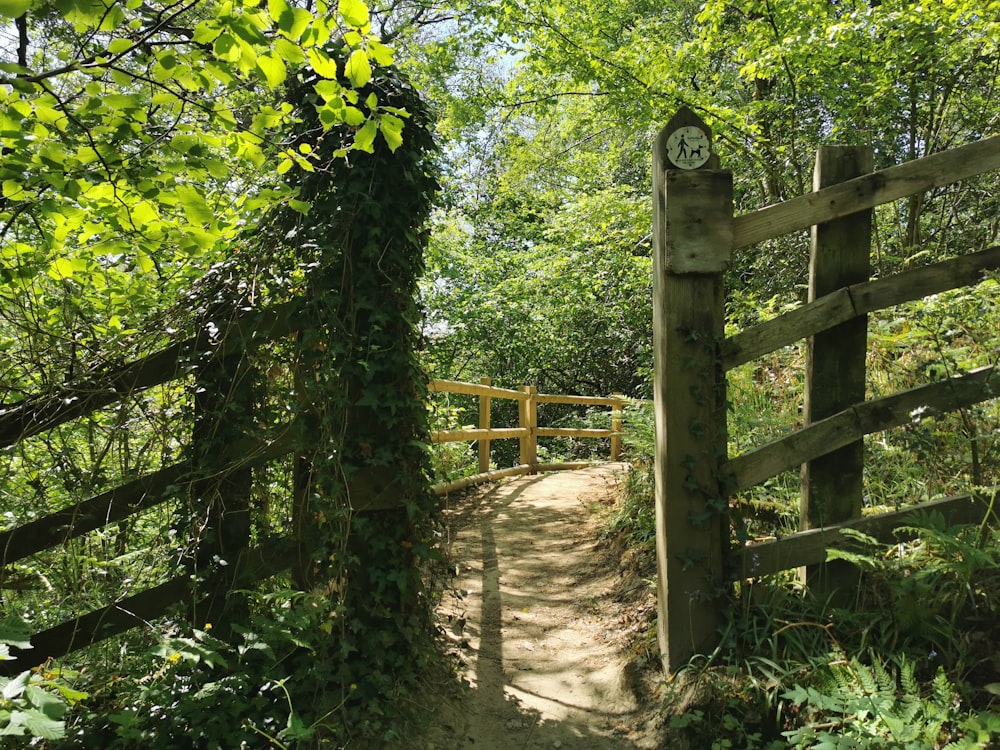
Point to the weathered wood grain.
(850, 424)
(810, 547)
(857, 299)
(868, 191)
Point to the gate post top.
(693, 199)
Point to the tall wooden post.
(832, 486)
(484, 424)
(692, 241)
(528, 411)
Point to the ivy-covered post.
(692, 236)
(485, 403)
(363, 503)
(832, 485)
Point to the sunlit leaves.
(358, 69)
(354, 13)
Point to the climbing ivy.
(360, 392)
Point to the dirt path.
(536, 624)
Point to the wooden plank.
(493, 433)
(574, 432)
(473, 389)
(528, 420)
(256, 564)
(125, 500)
(872, 416)
(868, 191)
(103, 387)
(810, 547)
(832, 485)
(550, 398)
(857, 299)
(689, 401)
(616, 427)
(694, 241)
(446, 488)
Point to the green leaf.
(329, 90)
(65, 268)
(381, 53)
(302, 207)
(40, 725)
(119, 45)
(273, 68)
(13, 8)
(277, 9)
(193, 203)
(12, 188)
(354, 12)
(354, 116)
(289, 52)
(358, 70)
(392, 130)
(364, 140)
(322, 64)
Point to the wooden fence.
(695, 233)
(218, 359)
(527, 431)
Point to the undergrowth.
(908, 660)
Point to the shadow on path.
(547, 669)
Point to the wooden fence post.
(528, 417)
(692, 241)
(484, 424)
(832, 485)
(616, 426)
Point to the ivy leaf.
(354, 12)
(358, 69)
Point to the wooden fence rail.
(695, 233)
